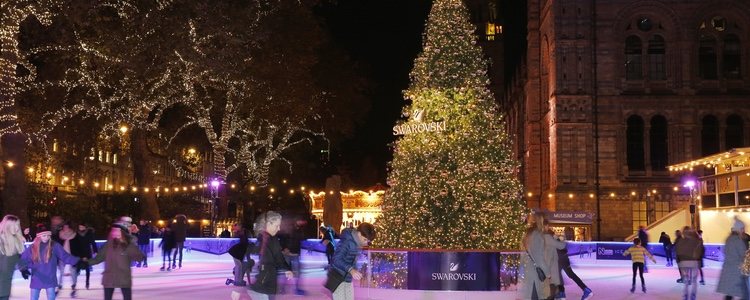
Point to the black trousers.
(127, 293)
(572, 275)
(637, 266)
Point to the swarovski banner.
(453, 271)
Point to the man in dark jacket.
(240, 253)
(677, 239)
(82, 245)
(180, 233)
(329, 242)
(643, 236)
(563, 262)
(666, 242)
(689, 252)
(144, 241)
(292, 244)
(345, 258)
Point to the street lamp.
(215, 184)
(690, 184)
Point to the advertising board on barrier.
(612, 251)
(453, 271)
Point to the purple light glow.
(215, 183)
(689, 183)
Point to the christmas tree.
(453, 176)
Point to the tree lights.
(455, 188)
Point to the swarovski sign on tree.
(454, 188)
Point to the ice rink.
(203, 276)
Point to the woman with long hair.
(11, 247)
(118, 253)
(533, 258)
(41, 261)
(271, 258)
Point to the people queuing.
(638, 255)
(11, 247)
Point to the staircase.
(675, 220)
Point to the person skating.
(292, 253)
(703, 253)
(65, 236)
(564, 263)
(532, 258)
(551, 245)
(117, 253)
(167, 245)
(180, 233)
(240, 253)
(689, 251)
(643, 236)
(40, 261)
(345, 259)
(82, 245)
(271, 258)
(677, 239)
(11, 247)
(329, 242)
(144, 240)
(732, 283)
(666, 242)
(638, 255)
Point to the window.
(734, 132)
(707, 57)
(659, 144)
(101, 154)
(661, 209)
(634, 136)
(114, 159)
(656, 58)
(106, 157)
(639, 214)
(54, 146)
(731, 57)
(633, 60)
(709, 135)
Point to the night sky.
(384, 37)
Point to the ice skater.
(118, 253)
(564, 263)
(666, 242)
(11, 247)
(167, 244)
(40, 261)
(240, 253)
(83, 246)
(344, 266)
(638, 255)
(271, 258)
(689, 251)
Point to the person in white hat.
(732, 282)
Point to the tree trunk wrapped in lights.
(453, 176)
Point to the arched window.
(732, 56)
(634, 136)
(656, 58)
(735, 133)
(633, 60)
(707, 57)
(709, 135)
(658, 142)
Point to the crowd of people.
(545, 257)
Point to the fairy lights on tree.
(453, 184)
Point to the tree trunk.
(142, 173)
(220, 172)
(333, 210)
(14, 188)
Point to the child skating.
(40, 261)
(638, 255)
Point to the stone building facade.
(612, 92)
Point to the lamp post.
(690, 184)
(215, 184)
